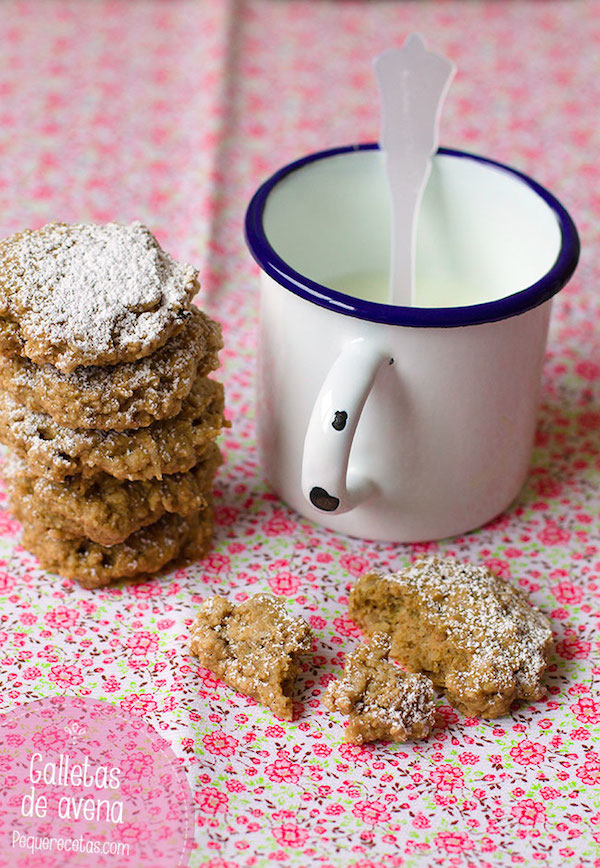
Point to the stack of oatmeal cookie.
(105, 402)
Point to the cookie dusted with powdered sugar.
(118, 397)
(88, 294)
(382, 702)
(472, 633)
(253, 647)
(168, 446)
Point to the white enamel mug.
(402, 423)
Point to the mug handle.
(328, 483)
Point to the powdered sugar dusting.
(129, 395)
(253, 647)
(92, 294)
(382, 702)
(483, 614)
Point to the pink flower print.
(567, 593)
(553, 535)
(111, 684)
(368, 863)
(447, 777)
(278, 564)
(580, 734)
(216, 563)
(139, 704)
(321, 750)
(31, 672)
(588, 370)
(275, 731)
(226, 515)
(211, 801)
(8, 524)
(355, 752)
(165, 624)
(354, 564)
(586, 710)
(66, 675)
(132, 833)
(486, 845)
(324, 558)
(7, 583)
(453, 842)
(447, 714)
(137, 767)
(219, 743)
(421, 822)
(589, 772)
(468, 759)
(142, 642)
(284, 584)
(235, 786)
(209, 680)
(419, 550)
(334, 810)
(279, 525)
(574, 648)
(283, 769)
(290, 835)
(145, 590)
(62, 617)
(371, 812)
(345, 626)
(284, 815)
(217, 862)
(498, 567)
(50, 738)
(529, 813)
(528, 753)
(317, 623)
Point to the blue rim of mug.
(439, 317)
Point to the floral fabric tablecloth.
(172, 113)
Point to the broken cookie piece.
(382, 702)
(253, 647)
(472, 633)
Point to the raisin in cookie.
(253, 647)
(88, 294)
(383, 703)
(472, 633)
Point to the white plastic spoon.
(413, 83)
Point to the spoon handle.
(412, 83)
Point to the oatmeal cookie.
(88, 294)
(104, 509)
(144, 552)
(118, 397)
(383, 703)
(168, 446)
(253, 647)
(472, 633)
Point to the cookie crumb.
(253, 647)
(382, 702)
(90, 294)
(473, 634)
